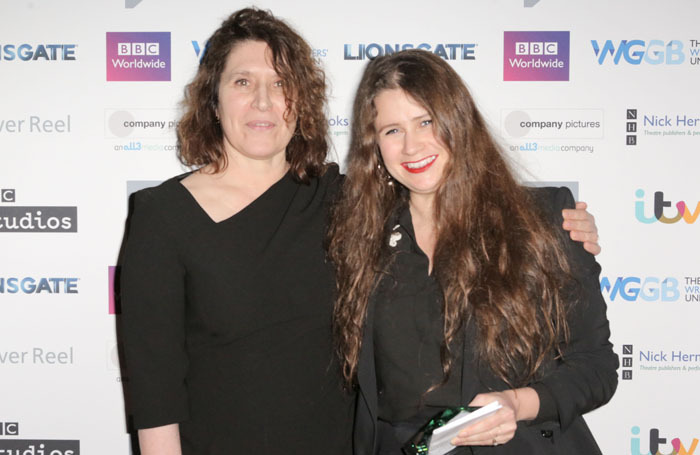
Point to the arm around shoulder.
(586, 377)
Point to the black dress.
(227, 326)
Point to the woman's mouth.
(416, 167)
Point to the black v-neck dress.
(227, 326)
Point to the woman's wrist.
(526, 402)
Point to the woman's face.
(412, 153)
(252, 105)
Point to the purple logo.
(535, 56)
(138, 56)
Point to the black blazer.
(585, 380)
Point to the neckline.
(255, 202)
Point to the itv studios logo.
(660, 204)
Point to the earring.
(385, 175)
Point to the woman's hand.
(499, 428)
(581, 225)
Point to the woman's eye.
(391, 131)
(426, 122)
(242, 82)
(278, 84)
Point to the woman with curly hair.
(226, 295)
(457, 286)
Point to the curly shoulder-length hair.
(199, 132)
(497, 260)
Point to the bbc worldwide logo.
(535, 56)
(138, 56)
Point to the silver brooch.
(394, 239)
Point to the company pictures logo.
(683, 210)
(659, 445)
(34, 446)
(39, 52)
(374, 50)
(536, 56)
(637, 52)
(138, 56)
(35, 218)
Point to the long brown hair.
(199, 133)
(497, 261)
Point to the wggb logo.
(636, 52)
(648, 289)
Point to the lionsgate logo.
(14, 218)
(15, 446)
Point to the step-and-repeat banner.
(601, 96)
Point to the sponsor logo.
(38, 356)
(34, 446)
(35, 124)
(141, 129)
(373, 50)
(659, 444)
(648, 289)
(138, 56)
(36, 218)
(553, 130)
(664, 125)
(30, 285)
(535, 56)
(683, 211)
(37, 52)
(637, 52)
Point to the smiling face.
(252, 106)
(411, 152)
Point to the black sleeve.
(586, 377)
(153, 318)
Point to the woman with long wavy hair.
(456, 285)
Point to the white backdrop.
(622, 125)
